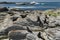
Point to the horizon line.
(12, 1)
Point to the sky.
(30, 0)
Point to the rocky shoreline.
(18, 24)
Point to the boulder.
(17, 34)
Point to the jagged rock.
(6, 22)
(52, 21)
(8, 27)
(57, 21)
(53, 35)
(32, 17)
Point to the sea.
(39, 6)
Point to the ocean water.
(40, 6)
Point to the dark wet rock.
(3, 9)
(14, 18)
(38, 18)
(23, 16)
(29, 30)
(39, 36)
(2, 33)
(45, 21)
(39, 21)
(11, 13)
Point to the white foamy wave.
(25, 7)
